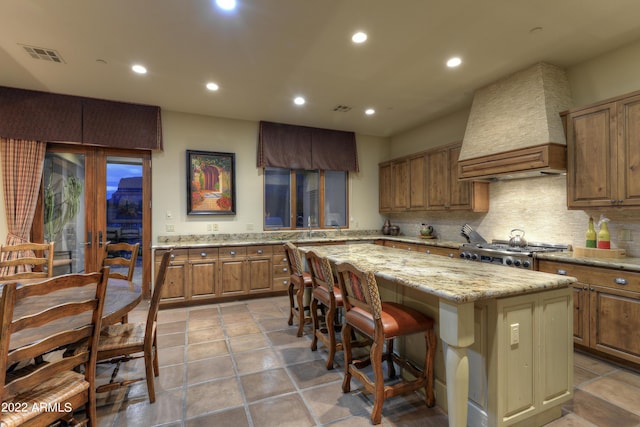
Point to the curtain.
(22, 164)
(300, 147)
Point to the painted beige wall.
(187, 131)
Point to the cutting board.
(599, 253)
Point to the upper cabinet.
(429, 181)
(603, 147)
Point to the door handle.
(89, 238)
(100, 238)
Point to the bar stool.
(299, 281)
(382, 322)
(326, 294)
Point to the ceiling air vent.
(341, 108)
(44, 53)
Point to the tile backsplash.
(537, 206)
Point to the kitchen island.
(505, 333)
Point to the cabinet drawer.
(280, 283)
(177, 255)
(281, 271)
(278, 249)
(259, 251)
(611, 278)
(233, 252)
(280, 259)
(203, 253)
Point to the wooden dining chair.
(121, 257)
(382, 322)
(42, 392)
(127, 341)
(299, 281)
(26, 261)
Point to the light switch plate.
(515, 333)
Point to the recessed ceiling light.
(212, 86)
(140, 69)
(298, 100)
(226, 4)
(359, 37)
(369, 111)
(454, 62)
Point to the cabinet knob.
(585, 288)
(173, 255)
(621, 281)
(203, 254)
(408, 249)
(561, 272)
(450, 255)
(613, 201)
(428, 251)
(259, 251)
(591, 289)
(620, 201)
(284, 259)
(285, 269)
(232, 253)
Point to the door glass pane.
(124, 205)
(277, 198)
(307, 198)
(335, 199)
(64, 224)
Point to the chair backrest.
(359, 289)
(123, 256)
(320, 269)
(47, 323)
(161, 275)
(294, 259)
(26, 261)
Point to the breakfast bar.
(505, 334)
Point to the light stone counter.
(626, 263)
(456, 280)
(482, 302)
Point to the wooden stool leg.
(300, 298)
(389, 357)
(346, 350)
(291, 304)
(430, 338)
(378, 377)
(328, 318)
(315, 323)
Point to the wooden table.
(122, 296)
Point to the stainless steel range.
(501, 252)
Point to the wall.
(537, 205)
(183, 132)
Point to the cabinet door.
(438, 180)
(614, 320)
(176, 279)
(417, 180)
(204, 271)
(592, 154)
(232, 276)
(400, 185)
(385, 203)
(459, 191)
(581, 314)
(259, 274)
(629, 151)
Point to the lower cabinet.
(606, 315)
(429, 249)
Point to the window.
(296, 199)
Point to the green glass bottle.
(591, 235)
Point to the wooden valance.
(301, 147)
(43, 116)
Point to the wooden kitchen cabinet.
(428, 180)
(281, 273)
(414, 247)
(245, 269)
(603, 147)
(259, 268)
(445, 191)
(203, 273)
(606, 308)
(176, 279)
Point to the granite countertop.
(299, 238)
(452, 279)
(626, 263)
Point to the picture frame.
(211, 183)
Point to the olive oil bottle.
(591, 234)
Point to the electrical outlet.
(169, 215)
(214, 226)
(209, 227)
(515, 333)
(170, 228)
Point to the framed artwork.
(211, 183)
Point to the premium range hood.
(514, 128)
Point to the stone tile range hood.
(514, 128)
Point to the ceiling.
(269, 51)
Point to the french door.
(91, 196)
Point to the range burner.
(500, 252)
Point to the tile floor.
(239, 364)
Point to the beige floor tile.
(172, 315)
(600, 412)
(171, 340)
(328, 403)
(203, 335)
(570, 420)
(236, 417)
(618, 393)
(172, 327)
(248, 342)
(206, 350)
(213, 396)
(285, 411)
(257, 360)
(171, 355)
(166, 409)
(264, 384)
(170, 377)
(204, 323)
(592, 364)
(244, 328)
(209, 369)
(314, 373)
